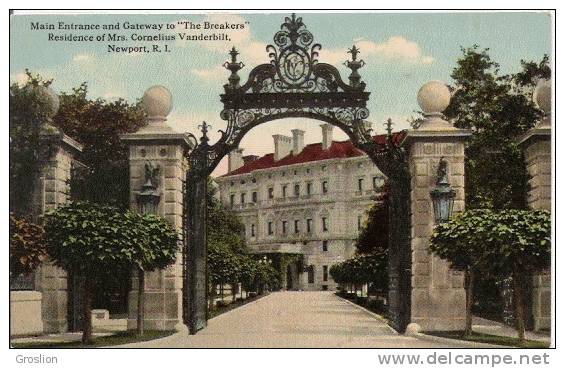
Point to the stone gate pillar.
(53, 190)
(438, 294)
(536, 144)
(163, 148)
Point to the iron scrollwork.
(295, 84)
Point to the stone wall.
(438, 294)
(537, 153)
(163, 288)
(53, 190)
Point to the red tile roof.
(310, 153)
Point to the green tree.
(27, 246)
(86, 239)
(154, 245)
(89, 239)
(374, 233)
(499, 243)
(362, 269)
(31, 107)
(498, 108)
(97, 124)
(460, 242)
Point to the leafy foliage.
(498, 108)
(87, 238)
(495, 242)
(374, 234)
(97, 125)
(362, 269)
(27, 246)
(90, 238)
(154, 240)
(30, 109)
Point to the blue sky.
(402, 52)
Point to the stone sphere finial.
(48, 97)
(434, 97)
(157, 102)
(542, 95)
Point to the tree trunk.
(469, 293)
(141, 302)
(222, 291)
(87, 312)
(233, 292)
(212, 295)
(519, 304)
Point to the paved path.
(293, 320)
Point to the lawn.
(120, 338)
(491, 339)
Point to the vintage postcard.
(281, 179)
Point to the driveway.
(293, 320)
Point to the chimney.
(327, 137)
(297, 141)
(283, 146)
(235, 160)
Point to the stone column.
(53, 190)
(166, 150)
(438, 294)
(536, 144)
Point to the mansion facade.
(303, 199)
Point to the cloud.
(213, 74)
(394, 49)
(79, 58)
(251, 51)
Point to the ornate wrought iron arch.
(293, 84)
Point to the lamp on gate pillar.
(442, 195)
(148, 198)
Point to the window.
(308, 188)
(231, 183)
(359, 184)
(270, 228)
(242, 198)
(325, 273)
(296, 226)
(254, 197)
(271, 193)
(325, 287)
(311, 274)
(308, 225)
(284, 227)
(284, 191)
(325, 246)
(324, 224)
(325, 186)
(296, 190)
(252, 229)
(232, 199)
